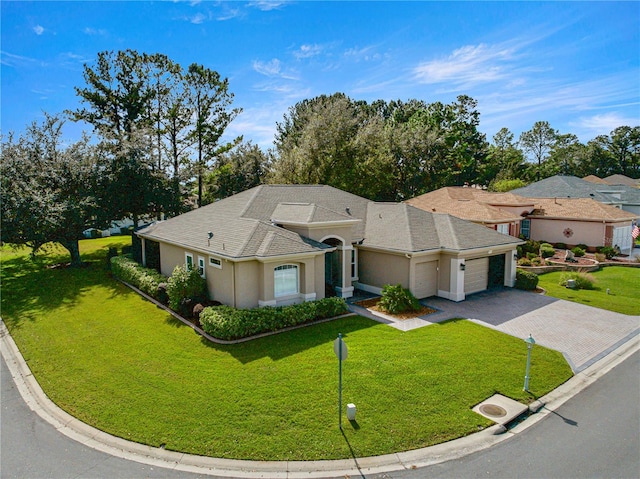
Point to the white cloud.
(604, 123)
(270, 68)
(469, 64)
(38, 29)
(11, 60)
(266, 5)
(94, 31)
(308, 51)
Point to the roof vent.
(348, 210)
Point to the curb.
(38, 402)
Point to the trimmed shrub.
(225, 322)
(537, 261)
(526, 280)
(582, 246)
(608, 251)
(145, 279)
(396, 299)
(530, 256)
(185, 287)
(600, 257)
(113, 252)
(546, 250)
(582, 279)
(560, 245)
(578, 252)
(524, 262)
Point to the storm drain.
(500, 409)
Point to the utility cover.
(500, 409)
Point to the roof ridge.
(256, 191)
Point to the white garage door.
(426, 280)
(476, 275)
(622, 238)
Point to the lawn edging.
(207, 336)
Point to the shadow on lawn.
(289, 343)
(32, 287)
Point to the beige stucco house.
(282, 244)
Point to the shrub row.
(225, 322)
(145, 279)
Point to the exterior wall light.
(462, 266)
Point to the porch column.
(144, 253)
(456, 282)
(346, 289)
(510, 268)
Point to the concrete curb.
(71, 427)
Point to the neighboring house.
(613, 180)
(502, 212)
(571, 221)
(576, 221)
(620, 196)
(281, 244)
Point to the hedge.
(145, 279)
(396, 299)
(225, 322)
(526, 280)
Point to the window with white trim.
(188, 261)
(503, 228)
(215, 262)
(354, 263)
(525, 228)
(201, 270)
(285, 280)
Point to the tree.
(566, 156)
(209, 98)
(238, 170)
(505, 161)
(624, 147)
(537, 143)
(48, 192)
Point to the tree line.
(156, 149)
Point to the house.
(571, 221)
(559, 186)
(502, 212)
(576, 221)
(281, 244)
(614, 180)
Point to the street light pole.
(530, 342)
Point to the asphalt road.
(595, 434)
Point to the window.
(285, 279)
(201, 266)
(503, 228)
(525, 228)
(215, 262)
(354, 264)
(188, 261)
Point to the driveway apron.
(582, 333)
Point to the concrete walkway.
(582, 333)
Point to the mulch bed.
(372, 305)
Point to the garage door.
(476, 275)
(622, 238)
(426, 280)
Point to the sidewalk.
(91, 437)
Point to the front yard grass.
(623, 284)
(119, 363)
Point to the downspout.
(233, 283)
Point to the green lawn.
(623, 284)
(121, 364)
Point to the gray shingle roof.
(560, 186)
(242, 225)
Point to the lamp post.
(530, 342)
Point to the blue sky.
(573, 64)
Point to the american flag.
(635, 232)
